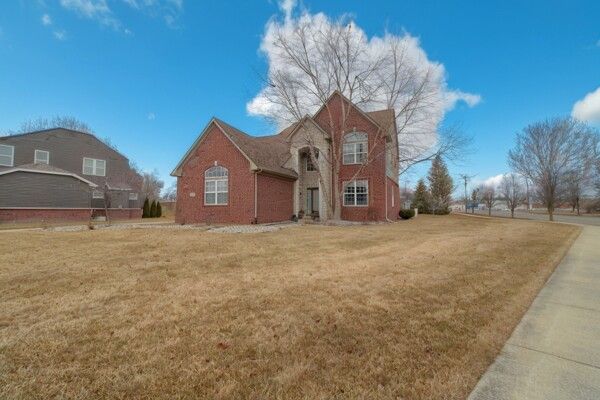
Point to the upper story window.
(133, 196)
(355, 148)
(97, 194)
(41, 157)
(356, 193)
(92, 166)
(310, 166)
(216, 186)
(7, 155)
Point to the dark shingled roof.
(384, 118)
(269, 153)
(47, 169)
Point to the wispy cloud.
(168, 10)
(60, 34)
(598, 43)
(97, 10)
(588, 108)
(151, 116)
(46, 20)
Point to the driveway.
(554, 353)
(570, 219)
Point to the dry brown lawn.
(413, 310)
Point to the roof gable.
(51, 130)
(264, 153)
(380, 119)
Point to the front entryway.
(312, 201)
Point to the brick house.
(228, 176)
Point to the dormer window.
(41, 157)
(7, 155)
(92, 166)
(355, 148)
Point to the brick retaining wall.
(63, 214)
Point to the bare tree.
(548, 152)
(336, 57)
(512, 192)
(475, 198)
(488, 195)
(170, 193)
(151, 185)
(58, 121)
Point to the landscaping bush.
(158, 210)
(407, 213)
(146, 209)
(153, 209)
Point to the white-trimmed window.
(92, 166)
(7, 155)
(97, 194)
(41, 157)
(133, 196)
(355, 148)
(356, 193)
(216, 186)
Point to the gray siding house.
(63, 168)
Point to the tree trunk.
(578, 207)
(512, 212)
(551, 213)
(489, 211)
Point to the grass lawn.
(416, 309)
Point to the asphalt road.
(570, 219)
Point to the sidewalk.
(554, 353)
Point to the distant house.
(228, 176)
(64, 174)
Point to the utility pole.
(528, 199)
(466, 179)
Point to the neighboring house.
(228, 176)
(62, 173)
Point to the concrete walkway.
(554, 353)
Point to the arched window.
(216, 186)
(355, 148)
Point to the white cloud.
(169, 10)
(287, 6)
(151, 116)
(493, 181)
(93, 9)
(454, 96)
(588, 108)
(60, 34)
(46, 20)
(442, 99)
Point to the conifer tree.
(440, 186)
(421, 198)
(158, 209)
(153, 209)
(146, 209)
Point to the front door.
(312, 197)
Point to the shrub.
(146, 209)
(158, 209)
(153, 209)
(407, 213)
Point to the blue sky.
(149, 74)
